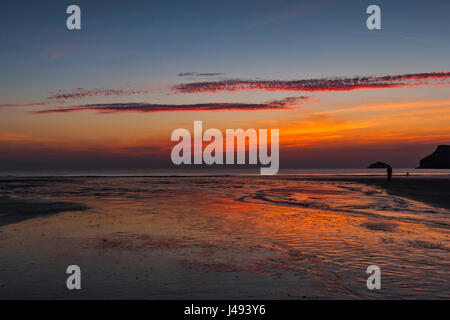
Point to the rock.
(439, 159)
(378, 165)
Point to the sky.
(109, 95)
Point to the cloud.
(149, 107)
(55, 54)
(186, 74)
(382, 107)
(16, 105)
(82, 92)
(290, 12)
(17, 137)
(322, 84)
(195, 74)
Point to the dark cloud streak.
(82, 92)
(323, 84)
(24, 105)
(148, 107)
(204, 74)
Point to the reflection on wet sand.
(223, 237)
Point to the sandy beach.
(235, 237)
(431, 190)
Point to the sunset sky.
(109, 95)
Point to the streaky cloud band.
(82, 92)
(204, 74)
(322, 84)
(149, 107)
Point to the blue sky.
(124, 41)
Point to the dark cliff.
(439, 159)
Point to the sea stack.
(378, 165)
(439, 159)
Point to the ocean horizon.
(219, 172)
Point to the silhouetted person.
(389, 174)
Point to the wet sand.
(431, 190)
(16, 210)
(222, 238)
